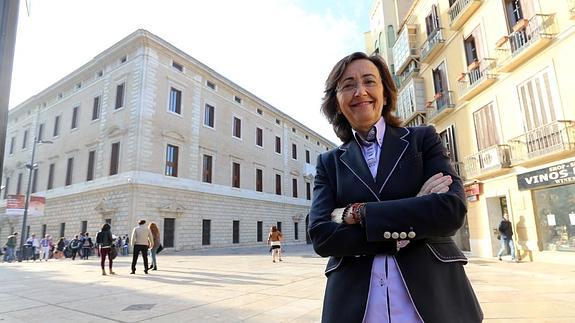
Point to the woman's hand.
(437, 183)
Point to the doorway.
(496, 206)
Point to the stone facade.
(144, 122)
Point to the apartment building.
(144, 130)
(495, 79)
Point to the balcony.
(411, 100)
(410, 71)
(488, 161)
(459, 169)
(477, 78)
(405, 48)
(553, 139)
(528, 38)
(441, 106)
(460, 11)
(432, 45)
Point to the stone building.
(144, 130)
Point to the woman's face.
(360, 95)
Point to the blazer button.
(411, 235)
(395, 235)
(402, 235)
(387, 235)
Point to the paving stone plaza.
(243, 285)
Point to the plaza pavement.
(243, 285)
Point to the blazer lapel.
(393, 148)
(352, 158)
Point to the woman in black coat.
(385, 206)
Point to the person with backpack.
(87, 245)
(105, 242)
(75, 246)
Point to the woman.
(59, 252)
(105, 241)
(385, 205)
(46, 243)
(154, 250)
(274, 240)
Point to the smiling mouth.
(362, 104)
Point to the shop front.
(553, 192)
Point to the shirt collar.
(379, 133)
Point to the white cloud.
(274, 49)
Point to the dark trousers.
(140, 248)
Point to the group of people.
(46, 248)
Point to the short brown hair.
(329, 105)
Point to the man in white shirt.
(142, 239)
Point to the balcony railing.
(487, 160)
(411, 70)
(442, 104)
(555, 137)
(459, 169)
(460, 11)
(432, 44)
(527, 38)
(477, 79)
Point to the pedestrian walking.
(274, 240)
(154, 250)
(142, 239)
(34, 243)
(46, 244)
(506, 237)
(87, 246)
(75, 246)
(105, 242)
(10, 247)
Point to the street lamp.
(30, 167)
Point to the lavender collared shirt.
(388, 299)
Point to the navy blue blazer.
(431, 264)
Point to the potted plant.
(462, 77)
(437, 95)
(521, 24)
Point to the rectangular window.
(259, 231)
(260, 112)
(172, 161)
(91, 164)
(485, 127)
(25, 139)
(178, 66)
(206, 229)
(62, 229)
(175, 101)
(169, 232)
(207, 169)
(84, 226)
(211, 85)
(115, 158)
(278, 145)
(237, 127)
(123, 59)
(432, 21)
(470, 50)
(209, 115)
(294, 151)
(448, 139)
(236, 231)
(12, 144)
(307, 156)
(308, 191)
(34, 188)
(259, 137)
(120, 88)
(278, 184)
(69, 171)
(294, 187)
(259, 180)
(237, 99)
(96, 108)
(279, 225)
(538, 101)
(41, 132)
(19, 184)
(235, 175)
(51, 169)
(6, 187)
(296, 231)
(56, 131)
(44, 229)
(74, 123)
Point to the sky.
(279, 50)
